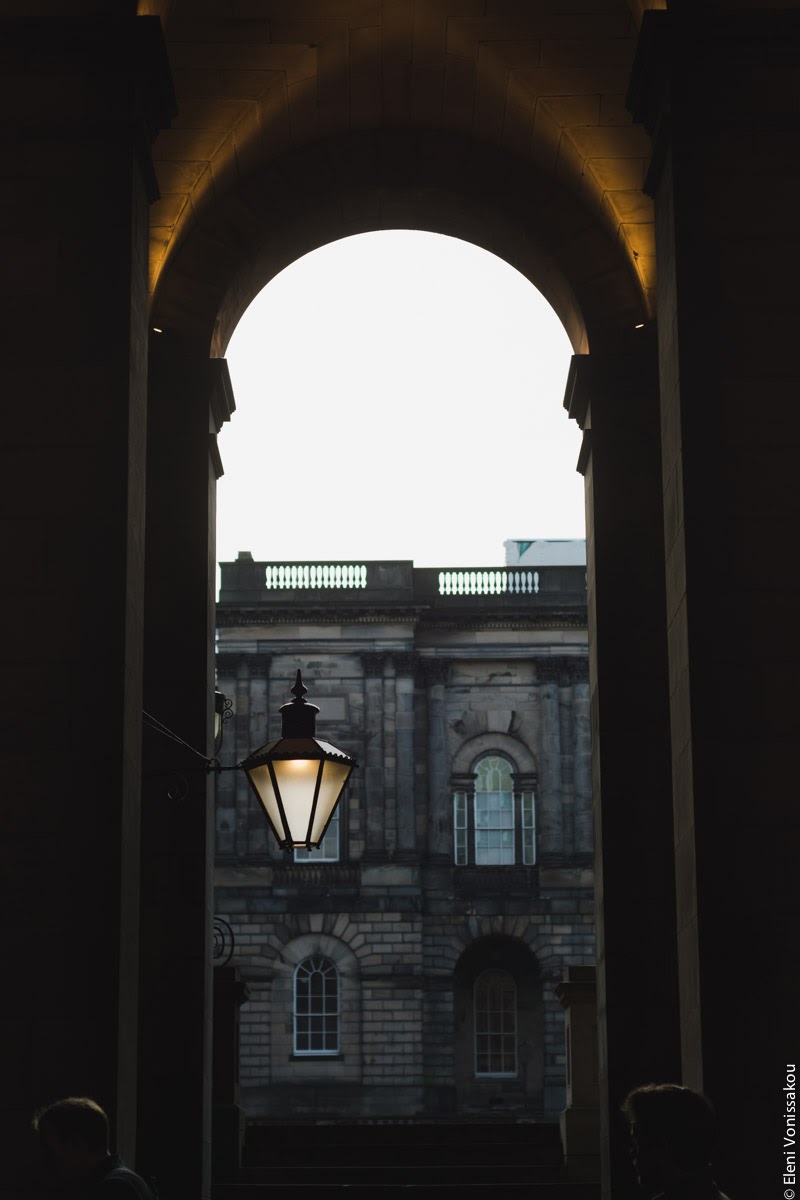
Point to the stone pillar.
(440, 838)
(82, 99)
(549, 813)
(405, 665)
(374, 782)
(188, 400)
(580, 1120)
(615, 400)
(718, 93)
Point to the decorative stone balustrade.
(315, 575)
(491, 582)
(398, 583)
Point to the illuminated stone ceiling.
(543, 79)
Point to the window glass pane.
(316, 1007)
(495, 1024)
(328, 851)
(494, 812)
(493, 774)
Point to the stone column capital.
(433, 670)
(563, 670)
(405, 663)
(373, 664)
(254, 665)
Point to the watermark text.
(790, 1134)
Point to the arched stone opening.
(499, 1028)
(454, 186)
(74, 438)
(387, 179)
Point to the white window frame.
(527, 804)
(460, 828)
(497, 1027)
(302, 1022)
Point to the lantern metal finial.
(298, 717)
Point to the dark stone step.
(406, 1173)
(394, 1191)
(380, 1153)
(544, 1136)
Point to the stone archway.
(542, 86)
(447, 184)
(388, 179)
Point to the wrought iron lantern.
(298, 779)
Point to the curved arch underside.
(503, 124)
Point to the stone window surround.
(524, 775)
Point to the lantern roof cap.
(296, 747)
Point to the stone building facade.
(408, 967)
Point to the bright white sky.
(398, 395)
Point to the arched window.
(495, 1024)
(496, 822)
(316, 1006)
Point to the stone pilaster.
(83, 98)
(434, 672)
(567, 739)
(582, 768)
(188, 396)
(263, 697)
(374, 777)
(615, 400)
(729, 454)
(405, 665)
(550, 831)
(390, 755)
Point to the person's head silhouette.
(673, 1130)
(73, 1135)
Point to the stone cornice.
(565, 622)
(232, 618)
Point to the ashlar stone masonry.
(436, 960)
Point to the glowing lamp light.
(298, 779)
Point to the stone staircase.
(428, 1162)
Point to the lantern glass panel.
(297, 779)
(334, 777)
(262, 782)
